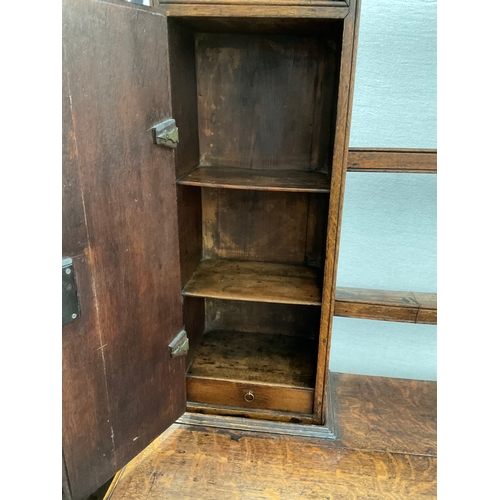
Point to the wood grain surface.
(121, 389)
(379, 413)
(338, 177)
(386, 451)
(252, 425)
(182, 64)
(385, 305)
(260, 317)
(261, 25)
(306, 3)
(259, 416)
(264, 180)
(264, 226)
(423, 161)
(265, 102)
(190, 463)
(256, 357)
(256, 11)
(231, 393)
(255, 282)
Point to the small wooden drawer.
(250, 395)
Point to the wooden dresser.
(204, 160)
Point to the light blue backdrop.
(388, 238)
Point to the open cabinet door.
(121, 385)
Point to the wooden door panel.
(121, 388)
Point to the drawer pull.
(249, 397)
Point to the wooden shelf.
(256, 357)
(256, 282)
(262, 180)
(385, 305)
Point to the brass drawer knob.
(249, 397)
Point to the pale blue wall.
(395, 89)
(388, 238)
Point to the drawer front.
(250, 395)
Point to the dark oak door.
(121, 387)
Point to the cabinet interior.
(255, 103)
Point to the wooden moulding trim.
(114, 484)
(270, 3)
(303, 3)
(251, 425)
(384, 305)
(248, 10)
(417, 161)
(249, 414)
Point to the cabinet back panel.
(259, 317)
(265, 101)
(264, 226)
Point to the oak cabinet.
(227, 238)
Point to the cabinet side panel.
(184, 98)
(339, 169)
(193, 309)
(190, 223)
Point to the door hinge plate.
(180, 345)
(166, 133)
(70, 304)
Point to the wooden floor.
(386, 449)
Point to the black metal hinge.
(70, 304)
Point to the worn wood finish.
(251, 414)
(86, 428)
(260, 317)
(264, 102)
(230, 393)
(215, 464)
(263, 180)
(427, 316)
(184, 110)
(183, 86)
(339, 169)
(193, 309)
(379, 413)
(88, 434)
(385, 305)
(120, 387)
(255, 282)
(419, 161)
(427, 312)
(255, 11)
(190, 230)
(264, 26)
(256, 357)
(66, 490)
(74, 233)
(190, 253)
(306, 3)
(264, 226)
(253, 425)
